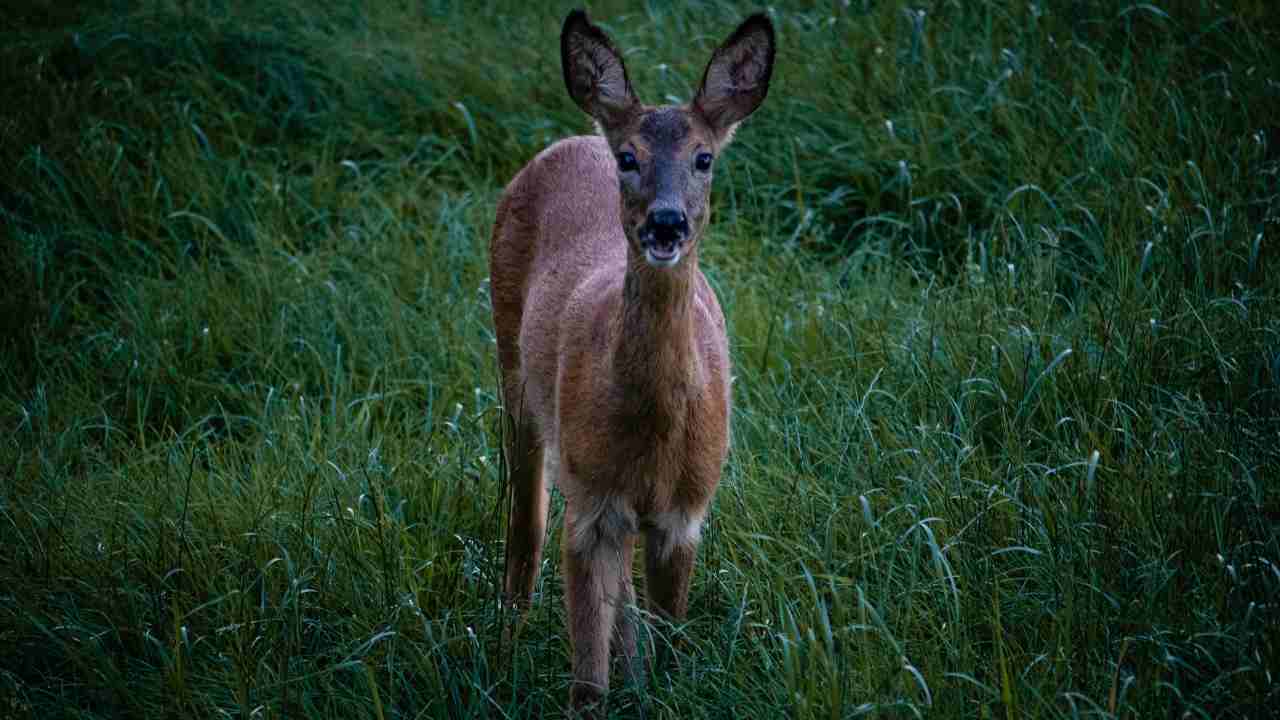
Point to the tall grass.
(1004, 320)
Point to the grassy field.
(1003, 296)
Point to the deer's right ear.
(593, 71)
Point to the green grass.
(1002, 297)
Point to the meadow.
(1002, 297)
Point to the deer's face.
(664, 160)
(665, 155)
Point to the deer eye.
(627, 162)
(703, 161)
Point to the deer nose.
(668, 224)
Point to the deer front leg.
(624, 623)
(595, 553)
(668, 560)
(670, 548)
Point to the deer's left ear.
(737, 78)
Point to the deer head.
(666, 154)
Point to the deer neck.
(655, 358)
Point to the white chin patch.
(663, 260)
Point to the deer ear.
(737, 78)
(593, 71)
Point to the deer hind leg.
(597, 548)
(527, 524)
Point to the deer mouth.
(661, 249)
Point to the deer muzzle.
(662, 237)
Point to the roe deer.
(615, 363)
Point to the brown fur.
(615, 372)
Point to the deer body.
(624, 373)
(614, 358)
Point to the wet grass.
(1002, 300)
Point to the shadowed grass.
(1002, 311)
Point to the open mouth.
(661, 250)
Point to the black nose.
(669, 224)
